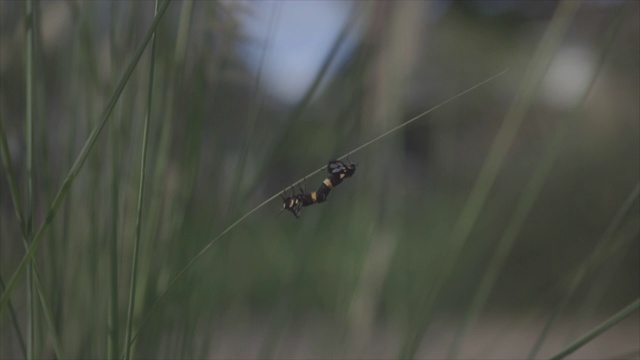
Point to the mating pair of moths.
(338, 171)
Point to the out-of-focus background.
(504, 224)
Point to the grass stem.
(277, 195)
(80, 160)
(143, 163)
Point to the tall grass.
(141, 188)
(466, 224)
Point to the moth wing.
(336, 167)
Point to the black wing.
(336, 167)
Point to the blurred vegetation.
(504, 224)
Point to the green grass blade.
(277, 195)
(419, 116)
(621, 315)
(64, 189)
(29, 96)
(143, 163)
(4, 152)
(113, 323)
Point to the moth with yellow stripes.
(338, 171)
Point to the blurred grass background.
(505, 224)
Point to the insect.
(341, 168)
(295, 202)
(338, 170)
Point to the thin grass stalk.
(527, 200)
(166, 213)
(277, 195)
(141, 187)
(606, 325)
(91, 189)
(113, 323)
(160, 207)
(29, 96)
(588, 264)
(76, 81)
(492, 164)
(162, 148)
(4, 152)
(44, 302)
(51, 266)
(80, 160)
(36, 274)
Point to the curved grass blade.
(143, 165)
(277, 195)
(80, 160)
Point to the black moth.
(338, 171)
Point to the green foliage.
(497, 210)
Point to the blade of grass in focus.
(80, 160)
(293, 185)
